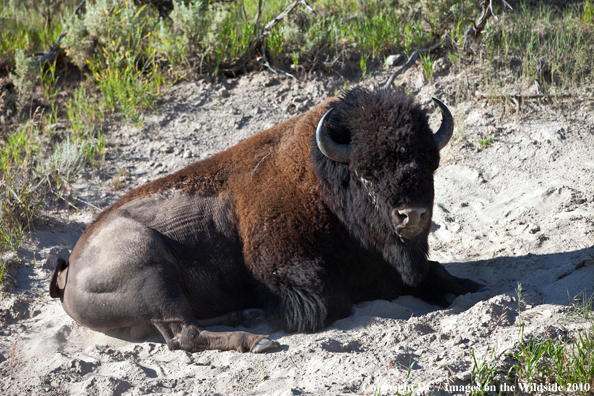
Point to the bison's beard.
(409, 259)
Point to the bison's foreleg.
(307, 309)
(440, 287)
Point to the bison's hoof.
(265, 345)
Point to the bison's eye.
(367, 174)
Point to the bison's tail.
(59, 277)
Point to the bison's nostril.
(400, 218)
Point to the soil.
(514, 209)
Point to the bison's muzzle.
(410, 221)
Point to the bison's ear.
(335, 151)
(446, 130)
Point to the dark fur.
(293, 232)
(392, 140)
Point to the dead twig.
(270, 67)
(259, 40)
(266, 60)
(315, 60)
(519, 100)
(14, 363)
(529, 97)
(87, 203)
(279, 17)
(262, 160)
(55, 50)
(411, 61)
(473, 35)
(257, 18)
(268, 28)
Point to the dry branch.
(521, 98)
(411, 61)
(268, 28)
(473, 35)
(55, 50)
(279, 17)
(259, 44)
(257, 18)
(472, 39)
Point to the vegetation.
(563, 364)
(486, 142)
(540, 46)
(569, 363)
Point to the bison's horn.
(446, 130)
(335, 151)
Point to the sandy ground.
(517, 210)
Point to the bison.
(298, 223)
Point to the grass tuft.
(486, 142)
(568, 363)
(580, 307)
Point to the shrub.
(27, 74)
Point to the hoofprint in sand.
(517, 210)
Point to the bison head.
(375, 156)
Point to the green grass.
(427, 64)
(17, 192)
(569, 363)
(25, 27)
(483, 374)
(2, 272)
(486, 142)
(588, 13)
(539, 44)
(580, 307)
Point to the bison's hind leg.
(193, 339)
(246, 318)
(141, 331)
(132, 282)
